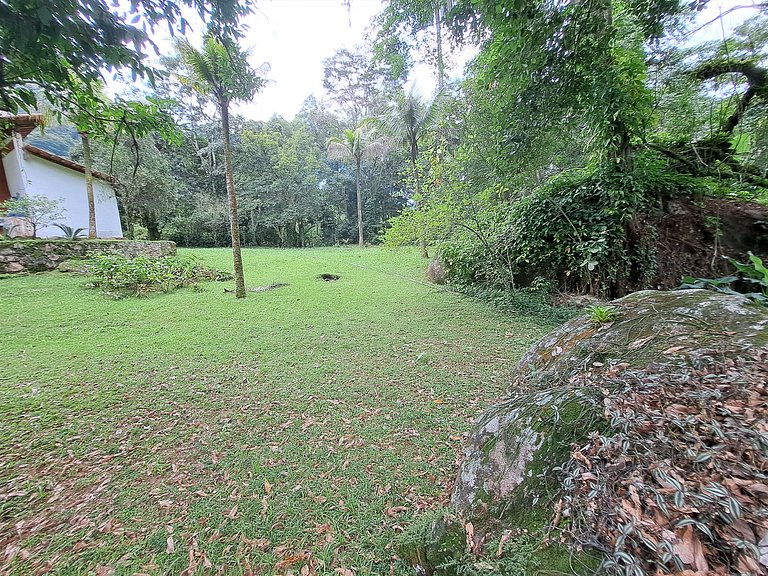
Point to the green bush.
(584, 230)
(119, 276)
(749, 279)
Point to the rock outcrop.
(517, 443)
(512, 465)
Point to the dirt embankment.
(693, 236)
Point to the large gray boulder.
(512, 456)
(512, 474)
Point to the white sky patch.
(295, 36)
(718, 20)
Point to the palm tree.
(408, 120)
(355, 145)
(221, 70)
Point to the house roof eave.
(50, 157)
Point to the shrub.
(119, 276)
(583, 230)
(750, 279)
(70, 233)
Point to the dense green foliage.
(582, 227)
(574, 127)
(61, 47)
(120, 276)
(749, 278)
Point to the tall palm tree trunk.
(360, 240)
(417, 187)
(232, 196)
(88, 163)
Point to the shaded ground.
(191, 433)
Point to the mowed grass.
(297, 430)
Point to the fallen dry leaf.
(394, 511)
(260, 543)
(291, 560)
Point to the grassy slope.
(187, 430)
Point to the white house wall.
(13, 173)
(57, 182)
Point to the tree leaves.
(37, 39)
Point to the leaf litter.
(678, 483)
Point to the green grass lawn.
(297, 430)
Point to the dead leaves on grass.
(174, 480)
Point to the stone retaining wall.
(19, 256)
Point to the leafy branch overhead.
(37, 39)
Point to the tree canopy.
(53, 45)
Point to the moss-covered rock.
(510, 475)
(679, 328)
(433, 541)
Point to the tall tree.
(221, 70)
(355, 82)
(408, 120)
(410, 18)
(355, 145)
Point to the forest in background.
(577, 133)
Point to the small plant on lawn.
(119, 276)
(602, 314)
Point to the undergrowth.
(119, 276)
(749, 279)
(534, 303)
(587, 230)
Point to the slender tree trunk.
(360, 240)
(417, 187)
(233, 219)
(153, 228)
(439, 43)
(88, 163)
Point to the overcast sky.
(295, 36)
